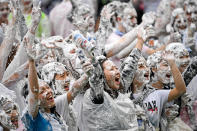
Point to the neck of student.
(158, 85)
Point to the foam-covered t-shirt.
(48, 121)
(154, 104)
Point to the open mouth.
(168, 76)
(91, 24)
(15, 122)
(146, 75)
(50, 98)
(117, 80)
(66, 86)
(182, 27)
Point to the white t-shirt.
(61, 104)
(154, 104)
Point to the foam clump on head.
(49, 70)
(154, 59)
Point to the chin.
(116, 87)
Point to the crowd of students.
(73, 71)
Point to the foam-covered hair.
(178, 49)
(154, 59)
(175, 12)
(49, 70)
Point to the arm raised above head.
(6, 46)
(114, 48)
(129, 65)
(180, 87)
(33, 104)
(21, 55)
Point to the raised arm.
(16, 76)
(33, 104)
(114, 48)
(92, 68)
(21, 55)
(180, 87)
(77, 86)
(191, 71)
(105, 27)
(8, 41)
(129, 66)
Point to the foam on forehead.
(120, 7)
(82, 9)
(154, 59)
(178, 49)
(53, 67)
(141, 60)
(41, 83)
(177, 11)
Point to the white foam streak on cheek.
(60, 86)
(161, 74)
(180, 62)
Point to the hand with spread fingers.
(169, 57)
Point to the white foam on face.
(49, 70)
(6, 105)
(141, 72)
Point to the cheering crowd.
(71, 67)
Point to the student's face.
(63, 81)
(4, 10)
(163, 72)
(191, 13)
(46, 96)
(14, 117)
(10, 117)
(180, 23)
(130, 19)
(89, 22)
(182, 62)
(27, 4)
(142, 74)
(112, 74)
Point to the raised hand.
(34, 50)
(15, 8)
(87, 67)
(107, 12)
(169, 57)
(148, 19)
(36, 15)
